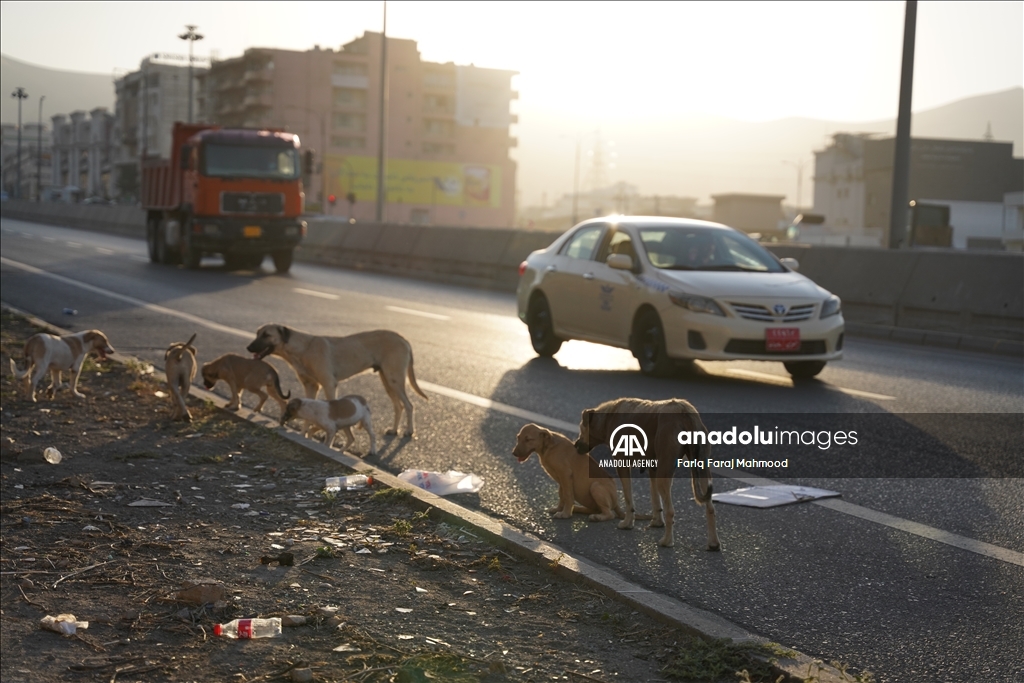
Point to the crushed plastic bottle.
(443, 483)
(352, 482)
(249, 628)
(52, 455)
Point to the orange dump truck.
(234, 192)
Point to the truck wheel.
(283, 260)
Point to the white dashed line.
(313, 292)
(76, 245)
(785, 381)
(105, 251)
(49, 239)
(891, 521)
(422, 314)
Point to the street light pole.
(799, 166)
(901, 156)
(576, 183)
(191, 36)
(39, 154)
(382, 138)
(21, 95)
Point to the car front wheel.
(542, 331)
(804, 369)
(649, 346)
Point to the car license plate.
(252, 231)
(782, 339)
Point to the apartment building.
(448, 137)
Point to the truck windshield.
(239, 161)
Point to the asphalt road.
(913, 576)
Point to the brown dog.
(53, 354)
(180, 369)
(661, 422)
(322, 362)
(245, 373)
(597, 496)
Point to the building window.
(347, 143)
(438, 148)
(349, 69)
(438, 129)
(344, 121)
(350, 97)
(435, 79)
(438, 104)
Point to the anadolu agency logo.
(629, 448)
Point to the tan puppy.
(597, 496)
(245, 373)
(322, 362)
(180, 369)
(661, 422)
(332, 416)
(53, 354)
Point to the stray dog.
(660, 422)
(53, 354)
(245, 373)
(597, 496)
(180, 368)
(331, 416)
(322, 362)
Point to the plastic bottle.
(350, 483)
(249, 628)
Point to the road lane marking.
(76, 245)
(105, 251)
(785, 381)
(49, 239)
(422, 314)
(313, 292)
(867, 514)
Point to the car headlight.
(698, 304)
(832, 306)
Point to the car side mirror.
(620, 261)
(790, 263)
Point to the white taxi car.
(671, 289)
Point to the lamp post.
(191, 36)
(39, 154)
(382, 137)
(21, 95)
(799, 166)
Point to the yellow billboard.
(435, 183)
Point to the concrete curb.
(948, 340)
(691, 620)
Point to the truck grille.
(252, 202)
(793, 314)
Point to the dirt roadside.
(386, 593)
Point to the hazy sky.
(586, 65)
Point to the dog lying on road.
(331, 416)
(53, 354)
(597, 496)
(180, 369)
(661, 422)
(245, 373)
(322, 362)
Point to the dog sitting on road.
(180, 369)
(322, 362)
(245, 373)
(331, 416)
(596, 495)
(661, 422)
(53, 354)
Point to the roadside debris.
(201, 592)
(65, 624)
(772, 496)
(52, 455)
(148, 503)
(284, 559)
(443, 483)
(249, 628)
(352, 482)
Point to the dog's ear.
(545, 438)
(285, 333)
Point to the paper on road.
(772, 496)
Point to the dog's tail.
(412, 379)
(700, 478)
(277, 384)
(17, 373)
(188, 344)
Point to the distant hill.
(65, 91)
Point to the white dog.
(331, 416)
(53, 354)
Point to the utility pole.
(21, 95)
(901, 157)
(799, 166)
(39, 154)
(576, 183)
(191, 36)
(382, 189)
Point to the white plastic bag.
(443, 483)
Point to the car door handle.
(588, 276)
(550, 269)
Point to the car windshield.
(693, 248)
(256, 161)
